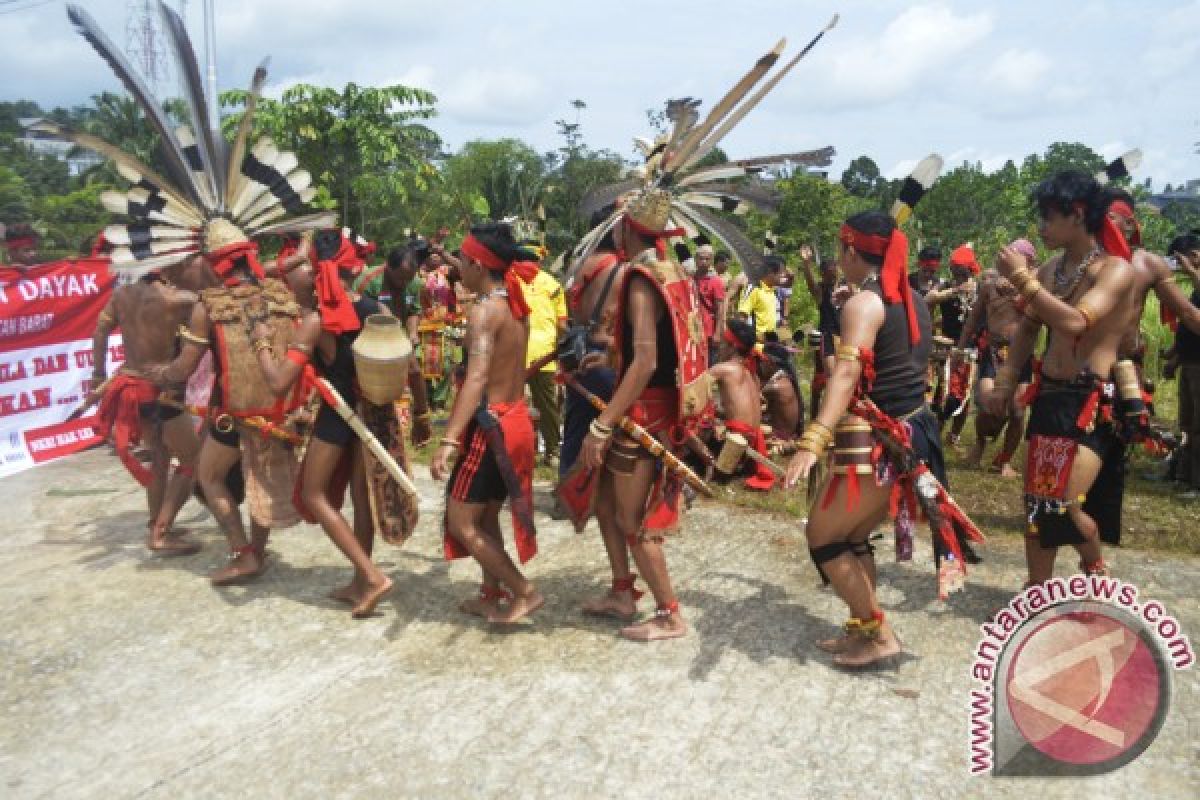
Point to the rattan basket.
(381, 354)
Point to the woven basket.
(381, 354)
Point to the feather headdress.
(215, 196)
(673, 195)
(1121, 167)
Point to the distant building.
(77, 159)
(1188, 193)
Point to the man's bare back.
(603, 334)
(784, 409)
(998, 297)
(149, 314)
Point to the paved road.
(126, 676)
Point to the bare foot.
(171, 546)
(1007, 471)
(245, 566)
(670, 626)
(863, 651)
(520, 607)
(350, 593)
(836, 644)
(372, 594)
(485, 602)
(621, 605)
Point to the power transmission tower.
(144, 42)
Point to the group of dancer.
(642, 395)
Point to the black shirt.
(1187, 344)
(900, 369)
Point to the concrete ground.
(129, 676)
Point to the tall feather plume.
(206, 136)
(131, 169)
(755, 194)
(915, 186)
(233, 176)
(138, 233)
(604, 196)
(286, 193)
(309, 222)
(172, 152)
(679, 156)
(122, 261)
(683, 112)
(1121, 167)
(728, 235)
(195, 160)
(704, 148)
(806, 158)
(723, 172)
(587, 245)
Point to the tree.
(366, 145)
(862, 178)
(15, 197)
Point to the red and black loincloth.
(496, 464)
(1064, 416)
(120, 416)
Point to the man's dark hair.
(721, 257)
(396, 256)
(771, 337)
(326, 243)
(772, 265)
(1064, 191)
(873, 223)
(1184, 244)
(743, 332)
(930, 252)
(498, 237)
(1116, 193)
(781, 357)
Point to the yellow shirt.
(759, 304)
(547, 305)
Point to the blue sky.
(980, 81)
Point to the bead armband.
(600, 430)
(847, 352)
(816, 439)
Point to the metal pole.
(210, 55)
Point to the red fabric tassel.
(763, 479)
(337, 312)
(852, 488)
(119, 417)
(1087, 415)
(1113, 241)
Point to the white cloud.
(494, 97)
(1018, 71)
(887, 64)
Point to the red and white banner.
(47, 317)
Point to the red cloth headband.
(514, 273)
(929, 262)
(224, 260)
(18, 242)
(893, 276)
(1110, 236)
(659, 237)
(337, 311)
(964, 256)
(1123, 209)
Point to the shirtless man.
(738, 384)
(1150, 271)
(151, 314)
(995, 313)
(781, 391)
(1084, 297)
(491, 430)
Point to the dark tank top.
(340, 371)
(900, 370)
(667, 360)
(954, 315)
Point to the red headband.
(224, 260)
(18, 242)
(1123, 209)
(893, 276)
(659, 237)
(514, 273)
(1110, 236)
(929, 262)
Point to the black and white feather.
(701, 195)
(250, 187)
(1121, 167)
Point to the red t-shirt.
(711, 290)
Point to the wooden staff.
(643, 437)
(345, 412)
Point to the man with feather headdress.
(663, 384)
(217, 196)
